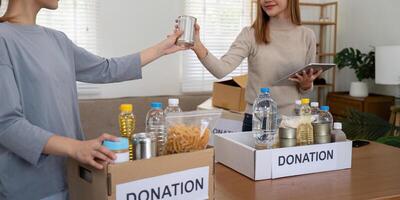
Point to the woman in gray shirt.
(39, 114)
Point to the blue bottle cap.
(122, 144)
(156, 105)
(325, 108)
(264, 90)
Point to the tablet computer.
(316, 66)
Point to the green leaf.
(360, 125)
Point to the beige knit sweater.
(291, 48)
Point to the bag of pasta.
(190, 131)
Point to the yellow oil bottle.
(127, 125)
(305, 130)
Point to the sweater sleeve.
(239, 50)
(311, 56)
(17, 134)
(91, 68)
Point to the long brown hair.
(260, 25)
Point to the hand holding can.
(187, 25)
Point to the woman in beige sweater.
(275, 45)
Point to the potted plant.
(363, 65)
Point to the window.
(220, 21)
(77, 19)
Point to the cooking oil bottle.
(127, 124)
(305, 130)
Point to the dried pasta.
(184, 138)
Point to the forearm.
(60, 146)
(150, 54)
(200, 50)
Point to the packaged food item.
(120, 148)
(190, 131)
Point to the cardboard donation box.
(177, 176)
(229, 122)
(229, 94)
(236, 150)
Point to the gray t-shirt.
(39, 68)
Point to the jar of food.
(120, 148)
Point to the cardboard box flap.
(241, 80)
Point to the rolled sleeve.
(16, 133)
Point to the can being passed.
(186, 25)
(144, 146)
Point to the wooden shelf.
(318, 23)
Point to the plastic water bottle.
(314, 111)
(297, 107)
(265, 119)
(155, 124)
(324, 116)
(173, 106)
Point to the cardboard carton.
(178, 176)
(236, 150)
(229, 94)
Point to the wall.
(128, 26)
(363, 24)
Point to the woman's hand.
(305, 80)
(92, 152)
(198, 47)
(165, 47)
(168, 46)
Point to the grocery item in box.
(190, 131)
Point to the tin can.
(186, 25)
(144, 145)
(287, 133)
(287, 142)
(321, 129)
(322, 139)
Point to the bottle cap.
(298, 102)
(305, 101)
(325, 108)
(264, 90)
(173, 102)
(314, 104)
(122, 144)
(337, 126)
(156, 105)
(126, 107)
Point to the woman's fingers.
(100, 156)
(299, 77)
(95, 164)
(295, 80)
(106, 152)
(106, 136)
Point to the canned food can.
(186, 25)
(144, 145)
(287, 142)
(321, 129)
(322, 139)
(287, 133)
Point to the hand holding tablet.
(313, 70)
